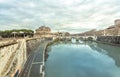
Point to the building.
(113, 30)
(117, 23)
(88, 33)
(110, 31)
(99, 33)
(43, 31)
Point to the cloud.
(65, 15)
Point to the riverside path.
(33, 65)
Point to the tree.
(10, 33)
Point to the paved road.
(32, 66)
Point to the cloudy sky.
(63, 15)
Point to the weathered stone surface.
(32, 44)
(13, 55)
(109, 39)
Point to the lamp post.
(118, 32)
(14, 33)
(21, 32)
(85, 36)
(104, 33)
(44, 35)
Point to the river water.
(83, 59)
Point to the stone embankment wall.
(32, 44)
(109, 39)
(13, 55)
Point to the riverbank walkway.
(33, 65)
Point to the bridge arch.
(90, 38)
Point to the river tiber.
(59, 38)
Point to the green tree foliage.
(10, 33)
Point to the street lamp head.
(21, 32)
(14, 32)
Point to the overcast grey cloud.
(63, 15)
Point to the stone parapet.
(14, 53)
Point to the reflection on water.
(83, 60)
(73, 40)
(80, 41)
